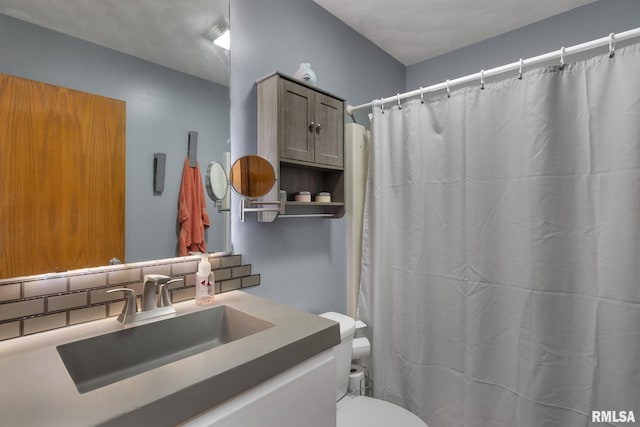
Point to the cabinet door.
(329, 131)
(296, 115)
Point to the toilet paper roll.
(361, 348)
(356, 380)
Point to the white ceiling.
(165, 32)
(414, 30)
(171, 32)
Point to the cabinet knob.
(318, 128)
(312, 126)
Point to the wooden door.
(62, 178)
(329, 131)
(295, 117)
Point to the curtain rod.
(611, 39)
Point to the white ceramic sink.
(105, 359)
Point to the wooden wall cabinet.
(312, 125)
(301, 132)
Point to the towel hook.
(398, 99)
(192, 148)
(448, 89)
(520, 70)
(482, 79)
(562, 53)
(421, 95)
(612, 45)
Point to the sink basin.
(105, 359)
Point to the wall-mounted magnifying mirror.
(217, 182)
(252, 176)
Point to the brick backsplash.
(40, 303)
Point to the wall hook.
(159, 164)
(193, 149)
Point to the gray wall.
(576, 26)
(162, 106)
(302, 261)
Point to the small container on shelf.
(282, 196)
(323, 197)
(303, 196)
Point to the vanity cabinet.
(303, 395)
(301, 132)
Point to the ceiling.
(414, 30)
(172, 33)
(166, 32)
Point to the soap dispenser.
(205, 280)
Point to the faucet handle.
(130, 307)
(164, 299)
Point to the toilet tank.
(342, 352)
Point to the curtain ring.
(612, 45)
(562, 53)
(520, 70)
(398, 98)
(377, 102)
(382, 105)
(482, 79)
(421, 95)
(448, 89)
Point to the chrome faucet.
(155, 299)
(149, 290)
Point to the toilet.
(361, 410)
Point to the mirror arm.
(219, 205)
(249, 206)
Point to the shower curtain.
(501, 249)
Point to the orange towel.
(192, 211)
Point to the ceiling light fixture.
(220, 35)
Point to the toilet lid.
(370, 412)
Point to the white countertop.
(38, 391)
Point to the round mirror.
(252, 176)
(217, 181)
